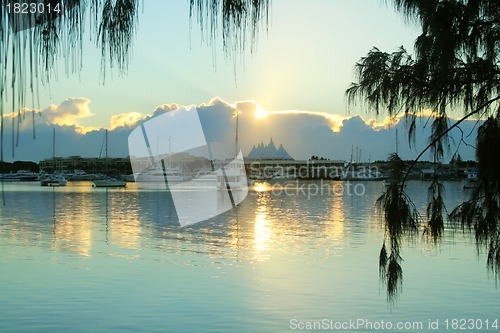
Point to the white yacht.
(205, 176)
(53, 179)
(109, 182)
(235, 178)
(156, 174)
(19, 176)
(282, 175)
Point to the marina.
(249, 166)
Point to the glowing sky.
(305, 61)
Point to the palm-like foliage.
(400, 218)
(455, 66)
(481, 214)
(31, 46)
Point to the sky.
(298, 75)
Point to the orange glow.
(260, 113)
(262, 187)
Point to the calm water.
(83, 259)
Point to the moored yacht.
(53, 179)
(109, 182)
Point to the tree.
(32, 45)
(455, 66)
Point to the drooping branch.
(31, 46)
(439, 137)
(234, 19)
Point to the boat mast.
(54, 148)
(236, 139)
(106, 160)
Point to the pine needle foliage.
(455, 66)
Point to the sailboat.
(55, 178)
(233, 176)
(108, 181)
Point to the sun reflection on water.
(72, 225)
(125, 222)
(262, 227)
(262, 187)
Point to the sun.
(260, 113)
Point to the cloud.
(334, 120)
(160, 109)
(68, 113)
(303, 133)
(387, 123)
(126, 119)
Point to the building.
(88, 164)
(269, 152)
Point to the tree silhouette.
(31, 45)
(455, 66)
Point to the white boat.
(79, 175)
(109, 182)
(19, 176)
(361, 174)
(472, 179)
(10, 177)
(235, 178)
(156, 174)
(280, 175)
(53, 179)
(205, 176)
(56, 178)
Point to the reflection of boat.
(108, 181)
(53, 179)
(472, 179)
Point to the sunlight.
(262, 227)
(262, 187)
(334, 119)
(260, 113)
(262, 232)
